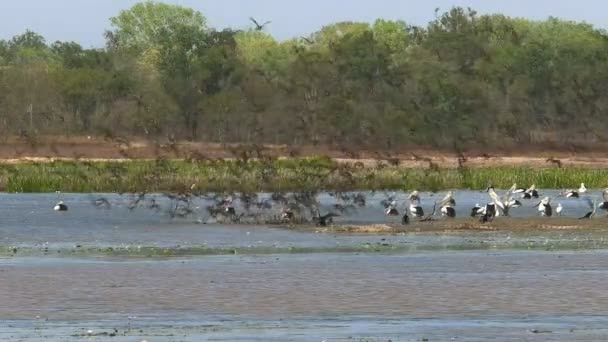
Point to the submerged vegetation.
(290, 174)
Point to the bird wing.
(254, 21)
(531, 188)
(496, 199)
(448, 199)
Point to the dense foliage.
(464, 78)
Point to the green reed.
(295, 174)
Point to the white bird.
(582, 189)
(447, 205)
(544, 207)
(414, 196)
(60, 206)
(477, 210)
(495, 198)
(504, 203)
(558, 209)
(415, 207)
(391, 209)
(575, 193)
(530, 192)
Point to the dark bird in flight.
(259, 27)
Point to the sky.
(84, 21)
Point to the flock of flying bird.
(298, 206)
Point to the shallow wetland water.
(82, 275)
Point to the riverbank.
(274, 175)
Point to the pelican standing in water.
(415, 207)
(447, 205)
(544, 207)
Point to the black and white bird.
(447, 205)
(60, 206)
(528, 193)
(575, 193)
(505, 202)
(477, 210)
(415, 207)
(489, 212)
(391, 209)
(544, 207)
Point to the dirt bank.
(44, 148)
(468, 225)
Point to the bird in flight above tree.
(259, 27)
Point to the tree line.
(463, 80)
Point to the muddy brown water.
(469, 295)
(439, 296)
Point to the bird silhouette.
(258, 26)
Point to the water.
(462, 295)
(440, 295)
(27, 219)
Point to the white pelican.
(582, 189)
(415, 207)
(575, 193)
(477, 210)
(504, 203)
(544, 207)
(530, 192)
(447, 205)
(391, 209)
(60, 206)
(414, 196)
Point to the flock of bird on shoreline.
(296, 206)
(497, 205)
